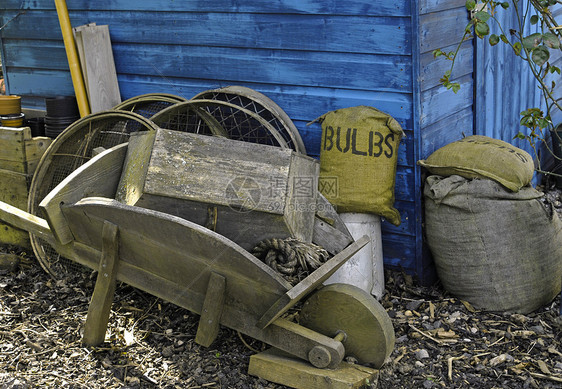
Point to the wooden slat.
(445, 131)
(42, 81)
(103, 89)
(408, 220)
(351, 7)
(98, 177)
(25, 221)
(280, 32)
(427, 6)
(276, 366)
(432, 69)
(442, 29)
(100, 305)
(34, 150)
(12, 148)
(13, 188)
(305, 68)
(213, 305)
(14, 192)
(81, 54)
(433, 101)
(399, 252)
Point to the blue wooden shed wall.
(310, 56)
(505, 85)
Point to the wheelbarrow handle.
(25, 221)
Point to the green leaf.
(554, 69)
(482, 29)
(483, 16)
(517, 48)
(504, 38)
(532, 41)
(437, 53)
(534, 19)
(551, 40)
(456, 87)
(552, 2)
(520, 135)
(505, 5)
(494, 40)
(540, 55)
(470, 5)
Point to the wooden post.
(100, 306)
(208, 328)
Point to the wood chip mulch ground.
(441, 342)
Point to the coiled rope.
(291, 258)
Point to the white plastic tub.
(365, 269)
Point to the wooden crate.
(244, 191)
(19, 155)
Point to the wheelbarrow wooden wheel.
(337, 308)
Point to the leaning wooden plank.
(103, 88)
(208, 328)
(311, 282)
(80, 48)
(98, 177)
(276, 366)
(100, 305)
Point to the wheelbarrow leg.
(209, 322)
(100, 305)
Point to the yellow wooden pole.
(73, 61)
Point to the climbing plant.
(536, 49)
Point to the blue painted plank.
(301, 103)
(447, 130)
(499, 73)
(348, 7)
(407, 216)
(42, 83)
(399, 252)
(439, 103)
(432, 69)
(442, 29)
(356, 34)
(427, 6)
(349, 71)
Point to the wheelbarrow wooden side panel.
(98, 177)
(177, 260)
(179, 251)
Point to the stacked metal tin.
(10, 111)
(62, 111)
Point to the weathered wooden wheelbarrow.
(202, 271)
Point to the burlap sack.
(358, 161)
(498, 250)
(483, 157)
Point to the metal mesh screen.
(68, 152)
